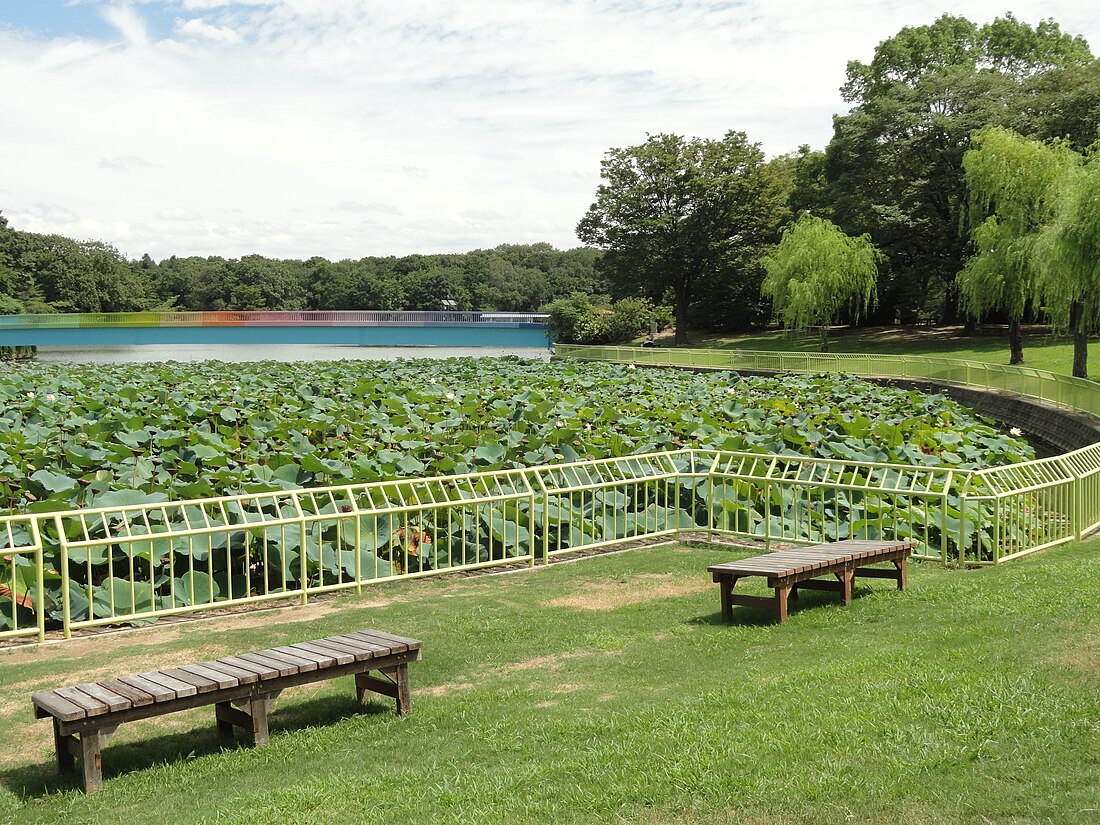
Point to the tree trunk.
(1015, 342)
(824, 338)
(1079, 326)
(681, 318)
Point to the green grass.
(1041, 350)
(974, 697)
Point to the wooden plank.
(303, 663)
(244, 677)
(323, 660)
(342, 657)
(361, 654)
(391, 638)
(92, 706)
(114, 701)
(279, 667)
(138, 697)
(364, 641)
(261, 671)
(57, 706)
(220, 678)
(158, 691)
(203, 684)
(177, 686)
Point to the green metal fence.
(111, 565)
(1075, 393)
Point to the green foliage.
(894, 164)
(683, 215)
(1013, 186)
(584, 319)
(817, 272)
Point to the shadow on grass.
(748, 616)
(39, 779)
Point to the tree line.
(52, 273)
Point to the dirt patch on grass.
(1081, 653)
(644, 587)
(446, 688)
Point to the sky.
(347, 128)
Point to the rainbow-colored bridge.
(373, 328)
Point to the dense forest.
(52, 273)
(893, 171)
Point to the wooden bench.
(788, 571)
(242, 689)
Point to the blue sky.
(346, 128)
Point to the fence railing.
(109, 565)
(1075, 393)
(265, 319)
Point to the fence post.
(66, 583)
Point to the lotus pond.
(97, 435)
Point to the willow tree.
(1068, 252)
(817, 273)
(1013, 186)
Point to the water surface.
(277, 352)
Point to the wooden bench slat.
(222, 679)
(280, 667)
(358, 653)
(261, 671)
(244, 677)
(159, 692)
(342, 657)
(137, 696)
(55, 705)
(177, 686)
(392, 638)
(303, 664)
(91, 706)
(114, 701)
(323, 660)
(369, 643)
(203, 684)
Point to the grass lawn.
(1041, 350)
(608, 690)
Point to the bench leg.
(251, 717)
(62, 745)
(781, 596)
(726, 587)
(395, 685)
(91, 760)
(845, 578)
(903, 573)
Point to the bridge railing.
(266, 319)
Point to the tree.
(894, 164)
(1068, 253)
(676, 214)
(1013, 184)
(817, 272)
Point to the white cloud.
(196, 27)
(124, 162)
(344, 127)
(128, 22)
